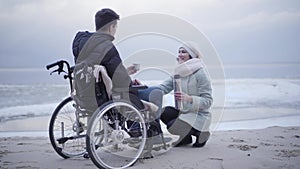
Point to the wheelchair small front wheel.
(110, 143)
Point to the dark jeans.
(135, 100)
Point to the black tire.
(107, 150)
(64, 139)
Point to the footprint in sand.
(296, 136)
(243, 147)
(288, 153)
(279, 137)
(237, 140)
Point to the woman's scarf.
(188, 67)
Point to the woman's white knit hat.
(192, 49)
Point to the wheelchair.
(104, 135)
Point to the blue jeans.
(153, 95)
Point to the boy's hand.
(136, 82)
(131, 70)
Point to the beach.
(272, 147)
(265, 143)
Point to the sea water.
(27, 101)
(275, 101)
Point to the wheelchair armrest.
(126, 89)
(139, 87)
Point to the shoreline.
(40, 129)
(272, 147)
(231, 119)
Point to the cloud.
(260, 20)
(42, 30)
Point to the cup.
(136, 66)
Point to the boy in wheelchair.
(100, 76)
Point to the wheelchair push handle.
(60, 69)
(52, 65)
(60, 65)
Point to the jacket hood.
(79, 41)
(91, 44)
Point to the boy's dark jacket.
(91, 49)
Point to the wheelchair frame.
(104, 136)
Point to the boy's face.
(113, 29)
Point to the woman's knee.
(168, 114)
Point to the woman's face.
(183, 55)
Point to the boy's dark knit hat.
(104, 16)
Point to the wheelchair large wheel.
(66, 132)
(109, 141)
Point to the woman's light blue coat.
(197, 85)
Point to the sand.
(272, 148)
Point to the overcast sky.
(37, 32)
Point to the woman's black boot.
(201, 138)
(183, 141)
